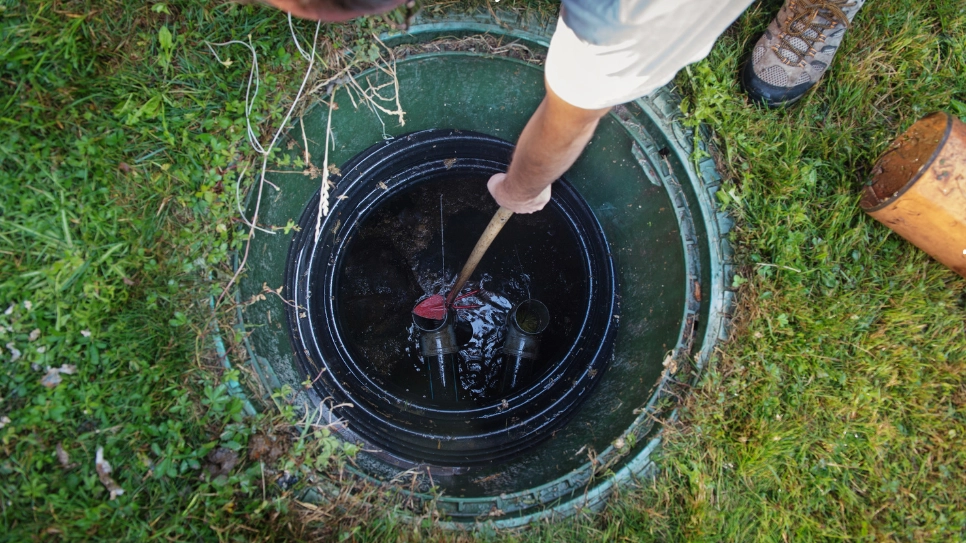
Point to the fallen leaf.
(221, 461)
(312, 171)
(671, 364)
(64, 458)
(14, 353)
(267, 448)
(104, 474)
(258, 446)
(53, 378)
(34, 334)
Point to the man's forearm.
(550, 143)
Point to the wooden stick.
(500, 218)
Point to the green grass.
(837, 411)
(121, 141)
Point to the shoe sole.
(769, 95)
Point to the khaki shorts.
(673, 34)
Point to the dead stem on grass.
(480, 43)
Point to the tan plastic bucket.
(919, 188)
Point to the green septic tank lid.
(656, 208)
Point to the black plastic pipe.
(437, 343)
(521, 346)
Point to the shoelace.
(806, 17)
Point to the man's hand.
(554, 137)
(333, 10)
(515, 200)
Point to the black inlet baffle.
(437, 341)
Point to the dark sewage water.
(413, 246)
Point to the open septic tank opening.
(412, 211)
(627, 261)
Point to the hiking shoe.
(796, 49)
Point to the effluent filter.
(539, 390)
